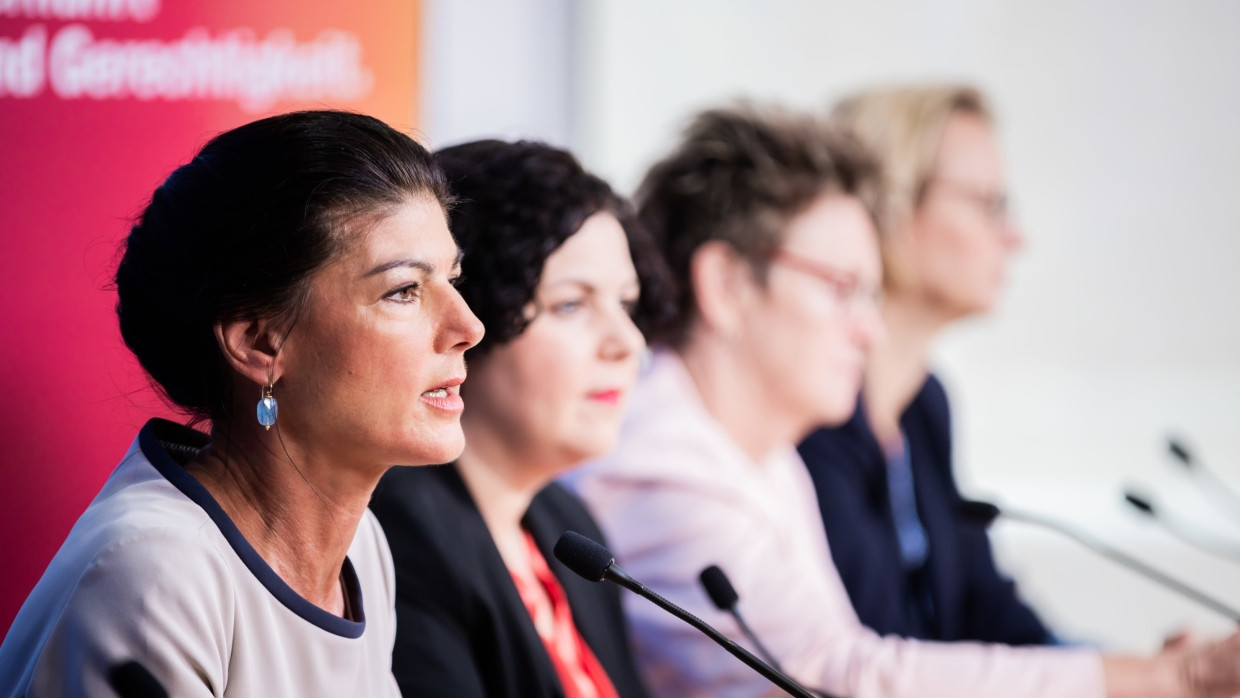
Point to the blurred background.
(1117, 330)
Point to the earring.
(268, 410)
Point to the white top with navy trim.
(155, 572)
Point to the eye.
(566, 307)
(456, 280)
(404, 294)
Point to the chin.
(444, 451)
(591, 446)
(985, 299)
(838, 413)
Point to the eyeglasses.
(994, 204)
(845, 286)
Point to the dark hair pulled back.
(237, 233)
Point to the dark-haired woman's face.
(372, 369)
(555, 395)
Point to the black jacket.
(462, 629)
(971, 600)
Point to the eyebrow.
(421, 265)
(577, 281)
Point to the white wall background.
(498, 69)
(1121, 121)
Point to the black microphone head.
(718, 588)
(1180, 451)
(1139, 503)
(132, 680)
(977, 513)
(586, 557)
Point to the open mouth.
(446, 397)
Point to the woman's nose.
(463, 329)
(622, 338)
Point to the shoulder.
(553, 512)
(168, 574)
(165, 597)
(555, 503)
(141, 535)
(931, 400)
(421, 504)
(438, 539)
(927, 421)
(847, 449)
(172, 549)
(408, 490)
(669, 445)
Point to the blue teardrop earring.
(268, 410)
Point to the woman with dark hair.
(563, 280)
(293, 286)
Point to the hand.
(1210, 670)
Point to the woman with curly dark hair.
(564, 282)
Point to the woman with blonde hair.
(912, 565)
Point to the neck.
(298, 512)
(897, 367)
(502, 483)
(736, 397)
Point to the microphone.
(1180, 530)
(983, 513)
(1178, 450)
(590, 560)
(725, 598)
(1224, 497)
(132, 680)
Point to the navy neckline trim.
(150, 441)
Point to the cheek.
(371, 360)
(541, 376)
(373, 370)
(958, 259)
(795, 339)
(836, 357)
(984, 272)
(821, 363)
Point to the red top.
(580, 672)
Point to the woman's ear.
(251, 348)
(723, 283)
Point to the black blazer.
(971, 600)
(462, 630)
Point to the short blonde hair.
(903, 128)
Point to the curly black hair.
(516, 203)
